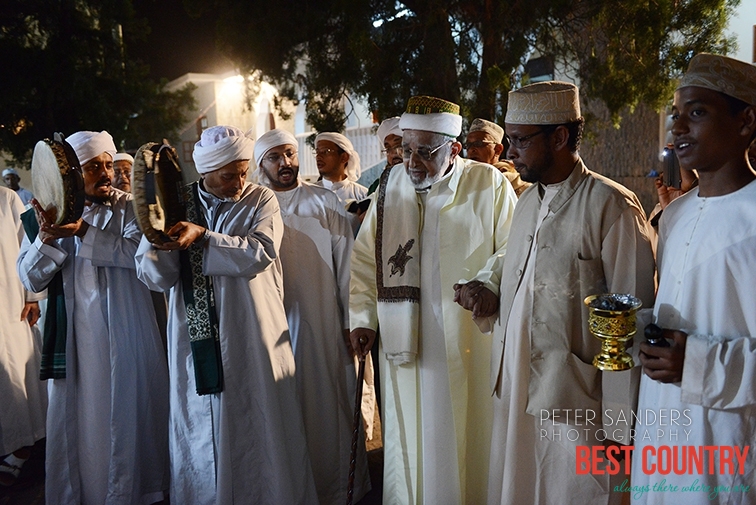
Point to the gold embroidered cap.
(544, 103)
(732, 77)
(495, 131)
(432, 114)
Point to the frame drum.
(156, 186)
(56, 179)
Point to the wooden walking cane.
(356, 423)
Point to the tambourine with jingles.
(57, 180)
(156, 185)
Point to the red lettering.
(725, 458)
(661, 467)
(614, 466)
(582, 460)
(597, 459)
(648, 450)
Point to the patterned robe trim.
(53, 363)
(399, 260)
(199, 299)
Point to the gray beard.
(425, 185)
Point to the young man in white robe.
(339, 167)
(236, 430)
(574, 234)
(22, 418)
(438, 222)
(11, 179)
(315, 249)
(108, 412)
(706, 377)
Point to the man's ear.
(345, 158)
(749, 121)
(560, 137)
(456, 148)
(498, 149)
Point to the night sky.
(177, 43)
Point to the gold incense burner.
(611, 319)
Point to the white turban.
(353, 169)
(271, 139)
(220, 145)
(89, 145)
(388, 127)
(123, 157)
(8, 171)
(432, 114)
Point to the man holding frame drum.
(108, 411)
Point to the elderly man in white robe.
(317, 242)
(438, 226)
(108, 412)
(236, 430)
(22, 418)
(574, 233)
(706, 374)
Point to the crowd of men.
(465, 276)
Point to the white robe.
(317, 242)
(246, 444)
(533, 461)
(107, 420)
(437, 410)
(347, 191)
(22, 418)
(707, 288)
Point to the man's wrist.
(203, 238)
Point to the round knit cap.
(732, 77)
(544, 103)
(481, 125)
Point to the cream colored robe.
(22, 418)
(590, 238)
(317, 241)
(473, 226)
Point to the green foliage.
(68, 69)
(471, 52)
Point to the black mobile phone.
(654, 336)
(361, 206)
(671, 168)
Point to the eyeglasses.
(275, 158)
(425, 153)
(480, 144)
(398, 150)
(324, 151)
(522, 142)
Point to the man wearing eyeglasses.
(317, 242)
(122, 163)
(483, 144)
(339, 166)
(438, 226)
(574, 233)
(390, 137)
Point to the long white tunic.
(533, 461)
(707, 288)
(107, 420)
(317, 242)
(246, 444)
(22, 417)
(437, 410)
(347, 191)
